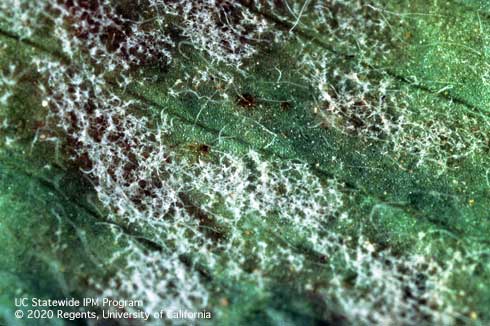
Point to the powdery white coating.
(359, 96)
(7, 82)
(152, 195)
(110, 40)
(224, 30)
(22, 16)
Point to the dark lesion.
(246, 101)
(200, 149)
(285, 106)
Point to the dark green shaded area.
(51, 244)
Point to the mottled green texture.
(51, 243)
(446, 46)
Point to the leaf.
(381, 107)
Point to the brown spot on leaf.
(285, 106)
(204, 149)
(247, 100)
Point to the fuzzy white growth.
(354, 97)
(143, 184)
(246, 200)
(110, 40)
(391, 290)
(7, 83)
(224, 30)
(21, 16)
(358, 96)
